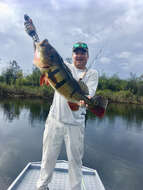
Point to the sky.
(113, 30)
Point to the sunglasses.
(84, 46)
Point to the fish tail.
(98, 111)
(99, 106)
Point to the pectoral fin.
(44, 80)
(73, 106)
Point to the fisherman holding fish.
(66, 120)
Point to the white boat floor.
(29, 176)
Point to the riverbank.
(12, 91)
(122, 96)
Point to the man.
(65, 123)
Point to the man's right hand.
(81, 103)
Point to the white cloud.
(124, 55)
(93, 40)
(129, 3)
(138, 59)
(5, 10)
(105, 60)
(5, 13)
(134, 64)
(138, 44)
(130, 21)
(9, 44)
(84, 36)
(8, 17)
(58, 5)
(79, 31)
(115, 25)
(124, 65)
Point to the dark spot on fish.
(52, 58)
(73, 92)
(59, 84)
(51, 75)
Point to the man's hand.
(81, 103)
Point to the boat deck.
(28, 177)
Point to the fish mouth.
(44, 43)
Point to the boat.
(27, 179)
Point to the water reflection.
(131, 114)
(116, 153)
(113, 145)
(38, 109)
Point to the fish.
(56, 74)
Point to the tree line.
(13, 76)
(134, 84)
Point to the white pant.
(54, 135)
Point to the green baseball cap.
(80, 45)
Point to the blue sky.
(113, 26)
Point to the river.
(113, 145)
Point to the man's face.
(80, 58)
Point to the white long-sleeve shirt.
(60, 109)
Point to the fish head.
(45, 55)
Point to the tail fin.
(98, 111)
(99, 106)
